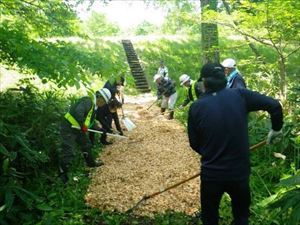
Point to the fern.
(288, 202)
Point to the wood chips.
(155, 156)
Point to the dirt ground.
(155, 156)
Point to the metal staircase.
(135, 67)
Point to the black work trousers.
(211, 194)
(70, 137)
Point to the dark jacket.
(166, 87)
(112, 87)
(81, 108)
(218, 131)
(105, 117)
(236, 81)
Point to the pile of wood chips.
(155, 156)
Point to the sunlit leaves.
(40, 18)
(98, 25)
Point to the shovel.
(100, 132)
(152, 104)
(179, 183)
(127, 122)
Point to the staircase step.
(135, 67)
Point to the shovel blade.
(128, 124)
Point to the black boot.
(171, 115)
(103, 140)
(162, 110)
(90, 162)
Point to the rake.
(179, 183)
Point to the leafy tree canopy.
(98, 25)
(40, 18)
(145, 28)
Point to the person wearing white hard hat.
(80, 115)
(234, 78)
(193, 90)
(166, 90)
(162, 69)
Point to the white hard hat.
(228, 63)
(156, 76)
(184, 78)
(105, 93)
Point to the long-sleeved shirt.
(218, 131)
(165, 87)
(81, 108)
(105, 117)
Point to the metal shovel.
(127, 122)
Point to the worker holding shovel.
(105, 115)
(218, 131)
(193, 89)
(166, 91)
(81, 116)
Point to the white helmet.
(228, 63)
(105, 93)
(156, 76)
(184, 78)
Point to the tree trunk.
(209, 34)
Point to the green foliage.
(29, 142)
(145, 28)
(40, 18)
(287, 200)
(180, 55)
(182, 18)
(64, 62)
(98, 25)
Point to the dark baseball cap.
(213, 70)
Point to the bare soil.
(155, 156)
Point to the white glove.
(274, 136)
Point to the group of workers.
(217, 130)
(194, 89)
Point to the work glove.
(84, 128)
(274, 136)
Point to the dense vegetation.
(31, 192)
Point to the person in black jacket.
(105, 115)
(218, 131)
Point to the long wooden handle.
(262, 143)
(173, 186)
(152, 104)
(196, 175)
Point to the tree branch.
(292, 52)
(251, 45)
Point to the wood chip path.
(155, 156)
